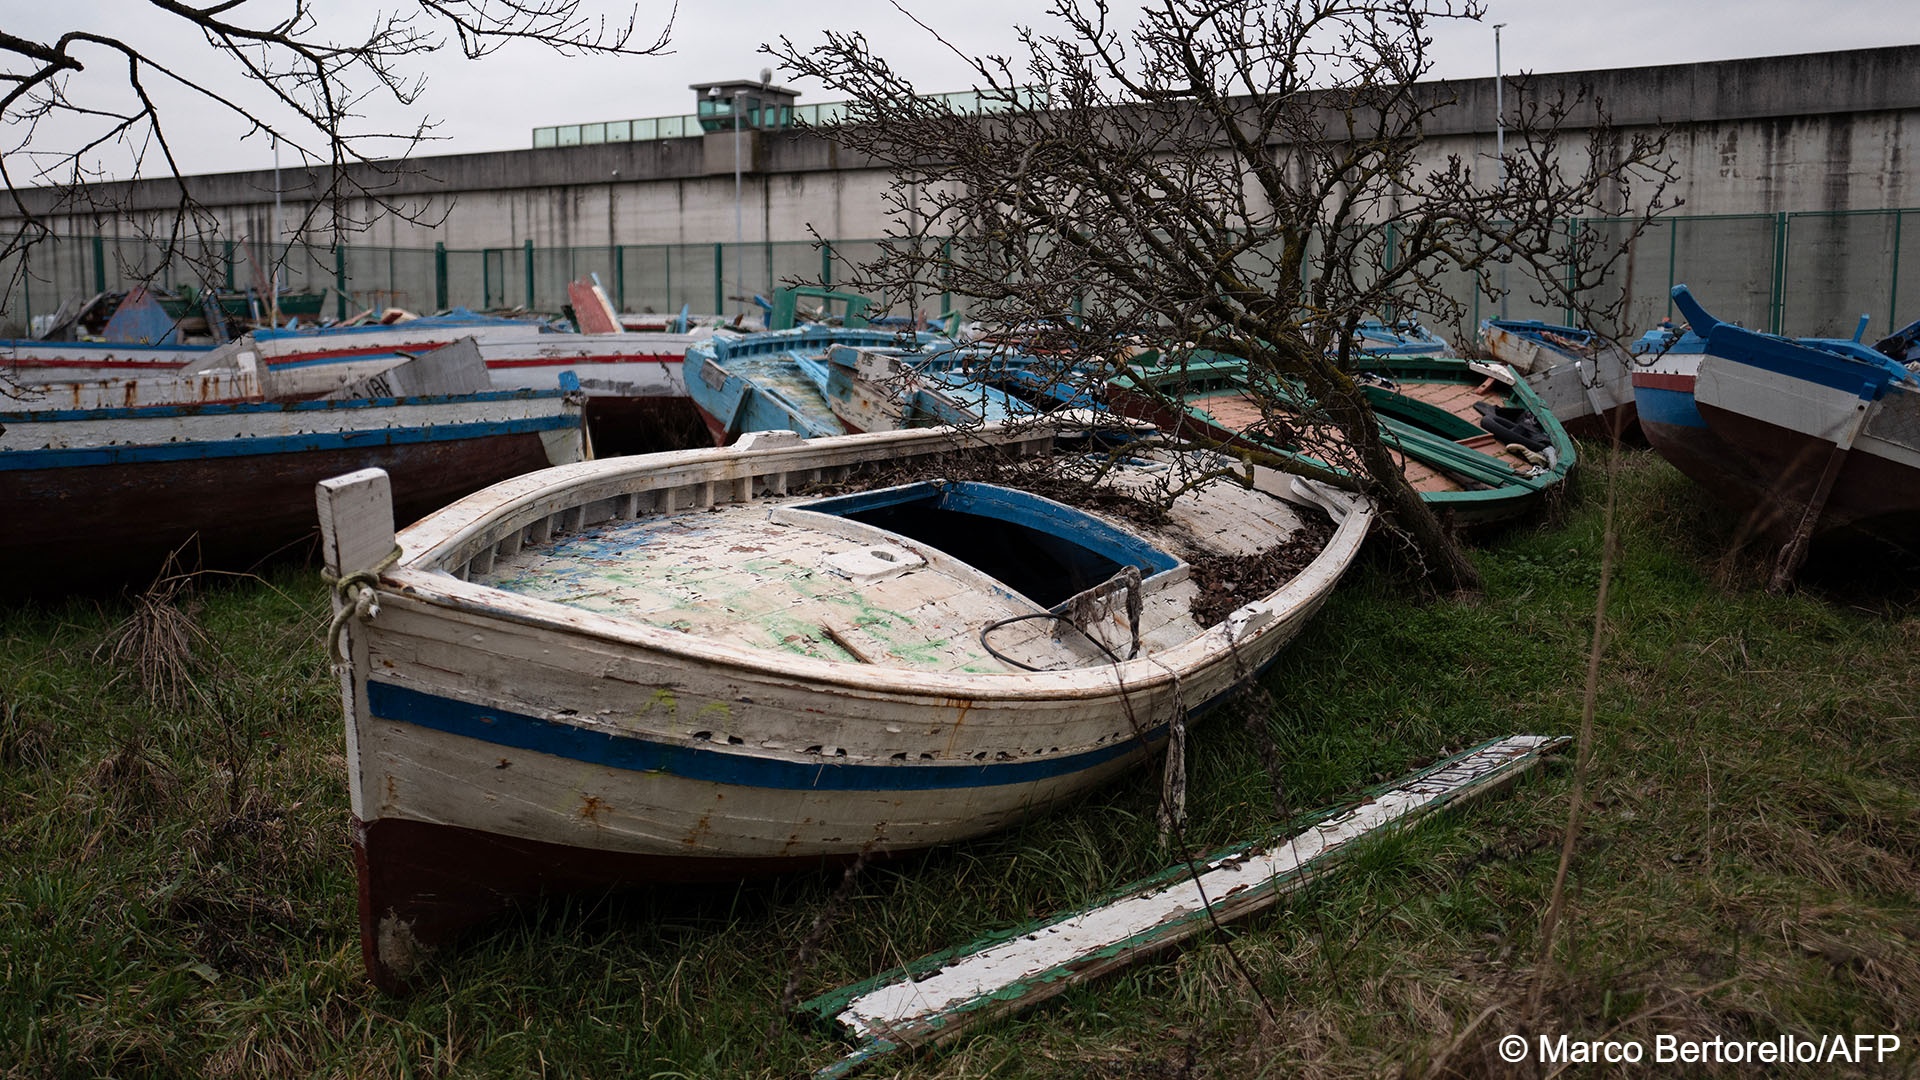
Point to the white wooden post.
(356, 534)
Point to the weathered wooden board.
(943, 996)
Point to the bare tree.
(1248, 177)
(276, 67)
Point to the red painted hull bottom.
(1707, 460)
(423, 884)
(643, 425)
(1871, 496)
(717, 433)
(108, 525)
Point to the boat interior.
(934, 574)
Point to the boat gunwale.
(419, 577)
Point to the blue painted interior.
(1041, 549)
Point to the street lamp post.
(274, 258)
(1500, 145)
(739, 240)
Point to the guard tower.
(745, 105)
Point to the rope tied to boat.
(1080, 611)
(358, 599)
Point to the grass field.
(177, 896)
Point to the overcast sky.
(493, 104)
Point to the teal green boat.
(1475, 448)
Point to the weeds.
(177, 894)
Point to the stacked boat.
(630, 380)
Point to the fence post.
(826, 264)
(619, 278)
(529, 274)
(229, 265)
(1673, 260)
(1777, 304)
(1893, 290)
(719, 279)
(1573, 276)
(100, 261)
(946, 276)
(439, 276)
(340, 279)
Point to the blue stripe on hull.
(1674, 408)
(83, 456)
(719, 766)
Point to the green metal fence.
(1798, 273)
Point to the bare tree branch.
(1252, 177)
(306, 88)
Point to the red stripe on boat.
(569, 361)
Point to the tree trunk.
(1346, 405)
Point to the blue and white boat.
(1806, 437)
(697, 666)
(775, 380)
(1400, 338)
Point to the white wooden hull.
(1589, 393)
(511, 720)
(30, 361)
(517, 358)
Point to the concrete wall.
(1829, 131)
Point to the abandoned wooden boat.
(635, 399)
(725, 662)
(1585, 379)
(1403, 337)
(1479, 449)
(946, 382)
(890, 389)
(1806, 437)
(1665, 361)
(774, 380)
(102, 479)
(31, 362)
